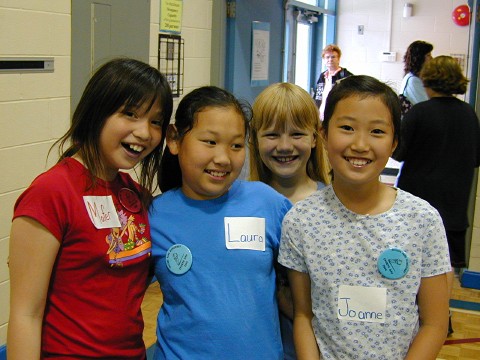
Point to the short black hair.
(363, 86)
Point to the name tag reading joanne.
(102, 212)
(245, 233)
(359, 303)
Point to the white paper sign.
(260, 53)
(245, 233)
(101, 211)
(359, 303)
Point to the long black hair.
(119, 83)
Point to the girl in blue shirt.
(215, 238)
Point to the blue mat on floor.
(470, 279)
(466, 305)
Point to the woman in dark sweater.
(440, 150)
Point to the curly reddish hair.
(444, 75)
(332, 48)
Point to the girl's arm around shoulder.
(303, 336)
(33, 250)
(433, 309)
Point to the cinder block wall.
(35, 108)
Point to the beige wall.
(35, 108)
(385, 29)
(196, 31)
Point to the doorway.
(103, 30)
(309, 27)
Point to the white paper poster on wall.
(260, 52)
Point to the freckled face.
(212, 153)
(285, 152)
(360, 140)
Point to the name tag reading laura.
(359, 303)
(245, 233)
(101, 211)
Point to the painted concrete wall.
(35, 108)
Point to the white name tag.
(359, 303)
(246, 233)
(101, 211)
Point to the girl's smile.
(360, 140)
(133, 148)
(285, 152)
(285, 159)
(358, 162)
(128, 136)
(212, 153)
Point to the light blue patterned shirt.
(336, 246)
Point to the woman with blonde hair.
(286, 153)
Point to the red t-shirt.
(100, 275)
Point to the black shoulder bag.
(405, 104)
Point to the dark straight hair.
(119, 83)
(363, 86)
(185, 118)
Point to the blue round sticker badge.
(179, 259)
(393, 263)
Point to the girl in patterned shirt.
(367, 262)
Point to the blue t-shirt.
(224, 306)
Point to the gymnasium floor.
(463, 344)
